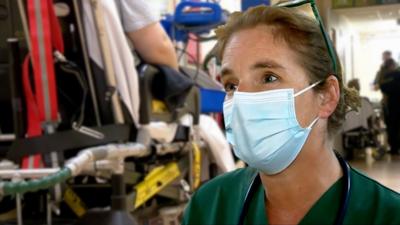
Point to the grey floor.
(386, 171)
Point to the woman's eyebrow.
(226, 71)
(262, 64)
(266, 63)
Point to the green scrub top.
(221, 199)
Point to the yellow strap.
(196, 166)
(158, 106)
(74, 202)
(156, 180)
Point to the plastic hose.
(74, 167)
(21, 187)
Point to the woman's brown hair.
(303, 35)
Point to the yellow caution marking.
(196, 166)
(156, 180)
(74, 202)
(158, 106)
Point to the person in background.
(390, 87)
(388, 66)
(145, 32)
(123, 21)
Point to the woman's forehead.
(248, 35)
(246, 46)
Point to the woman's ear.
(329, 97)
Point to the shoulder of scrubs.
(371, 202)
(219, 201)
(136, 14)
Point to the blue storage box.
(174, 34)
(211, 100)
(213, 14)
(251, 3)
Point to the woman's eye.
(269, 78)
(230, 87)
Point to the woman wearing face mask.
(284, 105)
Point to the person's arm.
(154, 45)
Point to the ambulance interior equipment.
(79, 147)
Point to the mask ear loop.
(313, 123)
(307, 88)
(301, 92)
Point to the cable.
(213, 53)
(183, 51)
(73, 69)
(204, 39)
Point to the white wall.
(345, 37)
(231, 5)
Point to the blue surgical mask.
(263, 129)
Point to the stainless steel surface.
(7, 137)
(27, 173)
(22, 13)
(19, 210)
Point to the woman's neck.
(292, 193)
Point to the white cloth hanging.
(219, 146)
(121, 53)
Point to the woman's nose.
(242, 87)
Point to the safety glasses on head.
(328, 42)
